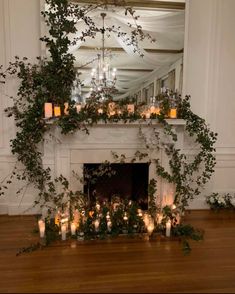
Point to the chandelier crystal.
(103, 77)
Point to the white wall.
(19, 35)
(209, 78)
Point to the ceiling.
(163, 20)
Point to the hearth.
(127, 181)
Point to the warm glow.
(57, 111)
(73, 228)
(66, 108)
(157, 110)
(48, 110)
(42, 227)
(152, 109)
(79, 107)
(173, 113)
(168, 228)
(100, 111)
(131, 108)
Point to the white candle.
(63, 232)
(147, 115)
(96, 224)
(109, 226)
(79, 107)
(42, 227)
(168, 228)
(48, 110)
(73, 228)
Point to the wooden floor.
(117, 266)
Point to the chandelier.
(103, 78)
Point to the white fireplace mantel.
(68, 153)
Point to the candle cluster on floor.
(112, 219)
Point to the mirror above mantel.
(137, 76)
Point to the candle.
(125, 216)
(147, 114)
(159, 218)
(109, 226)
(63, 232)
(57, 111)
(119, 112)
(173, 206)
(130, 108)
(96, 224)
(146, 220)
(157, 110)
(42, 227)
(173, 113)
(66, 108)
(168, 228)
(48, 110)
(73, 229)
(150, 228)
(79, 107)
(152, 109)
(100, 111)
(108, 216)
(140, 214)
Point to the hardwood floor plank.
(120, 266)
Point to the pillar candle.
(73, 229)
(130, 108)
(173, 113)
(42, 227)
(48, 110)
(78, 107)
(63, 232)
(168, 228)
(96, 224)
(57, 111)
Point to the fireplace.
(126, 181)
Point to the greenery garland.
(51, 80)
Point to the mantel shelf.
(146, 122)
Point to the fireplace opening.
(125, 180)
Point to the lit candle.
(173, 206)
(147, 114)
(66, 108)
(140, 214)
(42, 227)
(100, 111)
(63, 232)
(150, 228)
(125, 216)
(130, 108)
(152, 109)
(168, 228)
(109, 226)
(73, 229)
(157, 110)
(48, 110)
(79, 107)
(159, 218)
(173, 113)
(57, 111)
(96, 224)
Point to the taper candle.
(63, 232)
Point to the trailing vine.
(51, 80)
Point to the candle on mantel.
(173, 113)
(130, 108)
(168, 228)
(73, 229)
(78, 107)
(66, 108)
(100, 111)
(147, 114)
(42, 228)
(57, 111)
(48, 110)
(63, 232)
